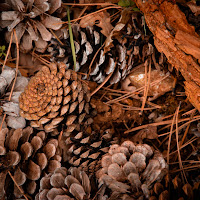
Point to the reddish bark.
(177, 40)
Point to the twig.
(17, 185)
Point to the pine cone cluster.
(65, 184)
(85, 149)
(11, 108)
(27, 156)
(130, 171)
(31, 20)
(56, 95)
(128, 49)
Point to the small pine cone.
(31, 20)
(65, 184)
(28, 156)
(129, 171)
(56, 95)
(85, 149)
(125, 49)
(11, 108)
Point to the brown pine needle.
(17, 185)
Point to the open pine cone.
(56, 95)
(65, 184)
(27, 156)
(31, 20)
(11, 108)
(130, 46)
(129, 171)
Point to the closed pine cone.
(65, 184)
(56, 95)
(27, 156)
(130, 171)
(31, 20)
(126, 49)
(85, 149)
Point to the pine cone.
(130, 171)
(85, 149)
(65, 184)
(11, 108)
(56, 95)
(119, 59)
(27, 156)
(31, 20)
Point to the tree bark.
(177, 39)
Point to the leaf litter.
(169, 123)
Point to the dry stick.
(178, 148)
(74, 20)
(170, 136)
(189, 142)
(102, 84)
(185, 168)
(56, 37)
(17, 185)
(88, 4)
(8, 51)
(95, 55)
(17, 66)
(157, 124)
(146, 87)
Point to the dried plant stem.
(89, 4)
(102, 84)
(147, 84)
(17, 185)
(111, 7)
(158, 124)
(170, 136)
(178, 148)
(8, 51)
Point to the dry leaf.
(101, 19)
(148, 133)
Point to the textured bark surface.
(177, 40)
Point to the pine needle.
(71, 39)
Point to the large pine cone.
(31, 20)
(129, 171)
(65, 184)
(130, 46)
(27, 156)
(56, 95)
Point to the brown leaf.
(101, 19)
(148, 133)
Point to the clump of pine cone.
(56, 95)
(27, 156)
(130, 171)
(65, 184)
